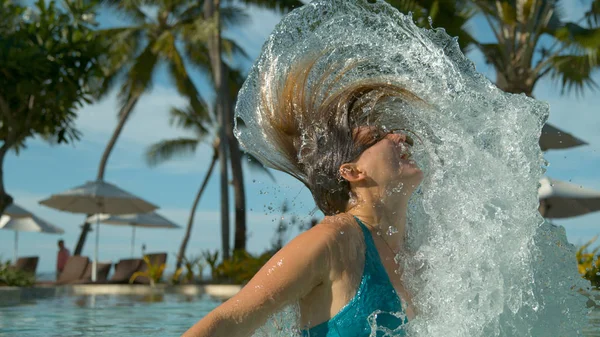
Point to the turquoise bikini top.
(375, 303)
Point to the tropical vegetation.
(138, 49)
(49, 68)
(588, 263)
(53, 60)
(154, 271)
(13, 277)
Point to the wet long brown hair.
(314, 124)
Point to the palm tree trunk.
(235, 156)
(5, 198)
(211, 10)
(188, 230)
(513, 86)
(123, 117)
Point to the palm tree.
(137, 50)
(521, 54)
(188, 119)
(212, 13)
(165, 150)
(224, 108)
(533, 41)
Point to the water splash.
(482, 262)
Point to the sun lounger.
(73, 272)
(155, 259)
(124, 269)
(74, 269)
(101, 275)
(27, 264)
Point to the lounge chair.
(124, 269)
(27, 264)
(74, 269)
(73, 272)
(101, 274)
(155, 258)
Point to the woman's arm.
(288, 276)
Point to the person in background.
(62, 257)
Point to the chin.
(412, 174)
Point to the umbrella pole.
(132, 241)
(95, 262)
(16, 248)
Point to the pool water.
(105, 315)
(125, 316)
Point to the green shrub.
(241, 267)
(588, 263)
(9, 276)
(194, 262)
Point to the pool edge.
(11, 296)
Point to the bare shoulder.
(339, 235)
(331, 230)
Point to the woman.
(361, 175)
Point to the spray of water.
(482, 262)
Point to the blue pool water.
(105, 315)
(124, 316)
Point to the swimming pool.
(124, 316)
(105, 315)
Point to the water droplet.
(392, 230)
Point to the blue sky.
(42, 170)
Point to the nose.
(398, 137)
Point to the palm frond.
(233, 16)
(593, 14)
(199, 30)
(124, 44)
(130, 9)
(493, 55)
(188, 119)
(185, 85)
(139, 76)
(573, 72)
(231, 48)
(572, 34)
(197, 54)
(190, 14)
(109, 81)
(257, 166)
(236, 80)
(168, 149)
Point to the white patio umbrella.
(554, 138)
(98, 197)
(561, 199)
(145, 220)
(18, 219)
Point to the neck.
(382, 214)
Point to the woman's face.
(389, 165)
